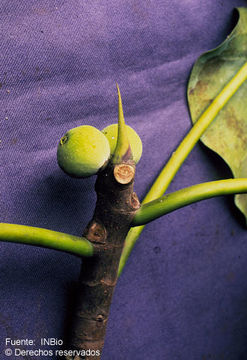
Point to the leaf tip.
(123, 147)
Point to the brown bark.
(115, 208)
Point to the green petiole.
(178, 157)
(170, 202)
(46, 238)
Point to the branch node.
(135, 203)
(100, 318)
(96, 232)
(124, 173)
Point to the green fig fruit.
(83, 151)
(111, 133)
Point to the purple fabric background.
(183, 294)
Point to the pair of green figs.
(83, 151)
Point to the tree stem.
(165, 177)
(46, 238)
(115, 208)
(168, 203)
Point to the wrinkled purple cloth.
(183, 293)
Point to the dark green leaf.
(227, 135)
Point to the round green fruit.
(83, 151)
(111, 133)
